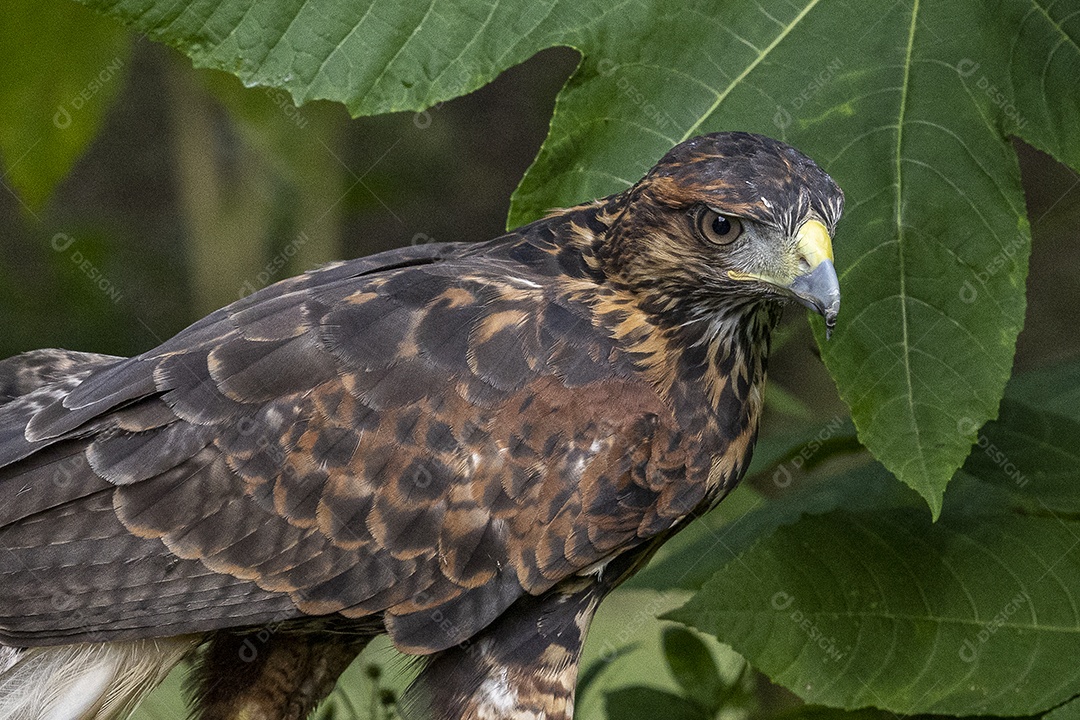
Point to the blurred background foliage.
(170, 191)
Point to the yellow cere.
(814, 243)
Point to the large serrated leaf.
(375, 56)
(889, 610)
(908, 104)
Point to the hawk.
(464, 446)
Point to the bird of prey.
(465, 446)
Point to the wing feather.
(423, 439)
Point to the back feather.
(29, 371)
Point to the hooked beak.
(817, 287)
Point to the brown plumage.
(463, 445)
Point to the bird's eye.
(717, 228)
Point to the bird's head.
(725, 221)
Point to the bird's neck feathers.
(710, 371)
(703, 351)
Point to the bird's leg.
(521, 667)
(268, 675)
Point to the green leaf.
(693, 667)
(644, 703)
(780, 455)
(812, 712)
(886, 609)
(60, 66)
(1031, 456)
(933, 250)
(375, 56)
(595, 670)
(1068, 711)
(1054, 389)
(909, 105)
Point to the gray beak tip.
(830, 319)
(819, 290)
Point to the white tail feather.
(100, 681)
